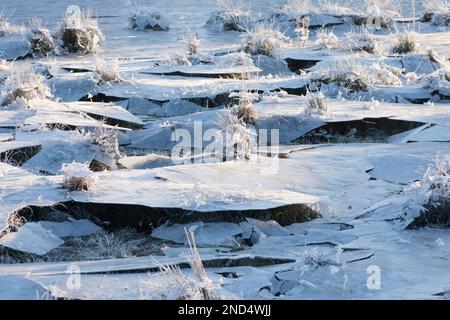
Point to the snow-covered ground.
(306, 147)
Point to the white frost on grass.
(172, 284)
(320, 7)
(355, 76)
(23, 83)
(232, 17)
(108, 71)
(78, 177)
(327, 39)
(438, 11)
(264, 39)
(40, 40)
(7, 28)
(431, 189)
(191, 42)
(381, 13)
(79, 32)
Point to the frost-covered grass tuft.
(246, 111)
(237, 139)
(327, 39)
(360, 40)
(79, 32)
(378, 13)
(315, 103)
(144, 19)
(40, 40)
(108, 71)
(232, 17)
(406, 44)
(191, 42)
(78, 177)
(172, 284)
(23, 83)
(431, 194)
(15, 222)
(105, 139)
(436, 6)
(303, 7)
(264, 39)
(437, 11)
(7, 28)
(357, 77)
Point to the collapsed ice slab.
(47, 112)
(31, 238)
(162, 89)
(53, 149)
(41, 237)
(112, 114)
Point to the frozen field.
(233, 150)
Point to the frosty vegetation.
(264, 39)
(406, 44)
(431, 195)
(78, 177)
(191, 42)
(108, 71)
(40, 39)
(315, 103)
(23, 83)
(172, 284)
(437, 11)
(232, 17)
(353, 76)
(7, 28)
(144, 19)
(236, 135)
(79, 32)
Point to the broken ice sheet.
(269, 228)
(31, 238)
(206, 234)
(72, 228)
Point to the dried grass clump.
(406, 44)
(79, 32)
(264, 39)
(23, 83)
(232, 17)
(40, 40)
(78, 177)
